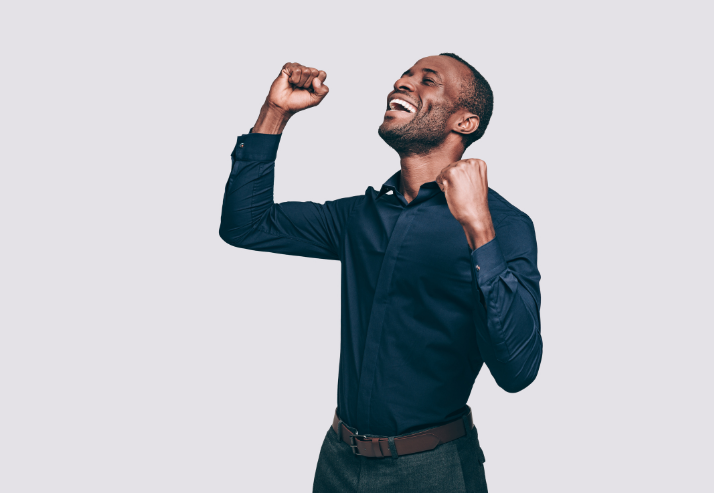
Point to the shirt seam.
(506, 217)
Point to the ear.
(466, 123)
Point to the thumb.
(319, 88)
(282, 81)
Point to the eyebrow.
(426, 70)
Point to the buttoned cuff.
(487, 261)
(256, 147)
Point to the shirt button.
(478, 268)
(241, 144)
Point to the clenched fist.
(465, 185)
(297, 87)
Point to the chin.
(384, 129)
(388, 124)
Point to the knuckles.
(474, 162)
(463, 166)
(458, 171)
(297, 70)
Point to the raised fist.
(465, 185)
(297, 87)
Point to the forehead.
(451, 71)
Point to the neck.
(420, 169)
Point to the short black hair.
(477, 97)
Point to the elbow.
(225, 237)
(231, 239)
(513, 386)
(521, 379)
(239, 230)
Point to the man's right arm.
(250, 219)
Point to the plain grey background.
(141, 353)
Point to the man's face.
(420, 107)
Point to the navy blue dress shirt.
(421, 311)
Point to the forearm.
(508, 305)
(249, 191)
(511, 343)
(478, 233)
(250, 218)
(271, 120)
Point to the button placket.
(379, 308)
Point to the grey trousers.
(453, 467)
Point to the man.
(439, 275)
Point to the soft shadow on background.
(139, 352)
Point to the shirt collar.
(393, 184)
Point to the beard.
(420, 134)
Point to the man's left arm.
(506, 282)
(505, 276)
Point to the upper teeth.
(408, 106)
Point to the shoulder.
(502, 211)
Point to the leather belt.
(420, 441)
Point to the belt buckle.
(355, 450)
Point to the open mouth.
(397, 104)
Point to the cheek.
(436, 112)
(427, 110)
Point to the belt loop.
(392, 448)
(339, 430)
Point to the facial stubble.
(419, 135)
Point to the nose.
(404, 83)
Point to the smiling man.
(439, 276)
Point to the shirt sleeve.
(251, 220)
(506, 280)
